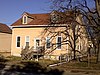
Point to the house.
(5, 40)
(30, 28)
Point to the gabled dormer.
(26, 18)
(54, 16)
(57, 16)
(32, 19)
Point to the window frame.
(18, 41)
(57, 42)
(46, 42)
(26, 40)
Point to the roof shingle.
(4, 28)
(38, 19)
(42, 19)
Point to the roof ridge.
(4, 28)
(39, 13)
(2, 23)
(35, 13)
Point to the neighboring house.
(5, 40)
(28, 30)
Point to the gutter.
(52, 25)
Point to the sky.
(11, 10)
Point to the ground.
(16, 66)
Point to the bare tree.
(91, 15)
(97, 3)
(67, 24)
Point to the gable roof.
(4, 28)
(37, 19)
(43, 19)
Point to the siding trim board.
(30, 26)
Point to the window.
(48, 42)
(37, 42)
(18, 41)
(27, 40)
(77, 47)
(67, 42)
(24, 19)
(59, 42)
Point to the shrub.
(2, 58)
(13, 58)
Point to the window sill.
(58, 49)
(17, 47)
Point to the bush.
(2, 58)
(13, 58)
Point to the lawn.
(28, 66)
(42, 66)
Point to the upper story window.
(27, 40)
(24, 19)
(59, 42)
(48, 42)
(18, 41)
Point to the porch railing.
(29, 53)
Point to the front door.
(36, 43)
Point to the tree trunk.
(74, 53)
(74, 42)
(97, 3)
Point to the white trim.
(37, 25)
(27, 41)
(46, 43)
(16, 41)
(56, 42)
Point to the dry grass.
(27, 65)
(66, 66)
